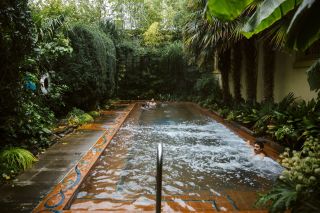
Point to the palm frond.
(286, 102)
(281, 197)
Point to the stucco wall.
(290, 76)
(260, 73)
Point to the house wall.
(290, 76)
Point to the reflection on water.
(199, 155)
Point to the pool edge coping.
(60, 196)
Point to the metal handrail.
(159, 177)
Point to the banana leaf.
(267, 13)
(304, 28)
(227, 10)
(314, 76)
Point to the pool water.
(201, 158)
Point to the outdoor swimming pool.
(203, 162)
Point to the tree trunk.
(251, 70)
(268, 73)
(224, 66)
(236, 62)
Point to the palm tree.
(268, 73)
(236, 58)
(224, 66)
(202, 37)
(251, 70)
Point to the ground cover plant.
(298, 186)
(15, 159)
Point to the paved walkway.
(32, 185)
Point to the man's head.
(258, 146)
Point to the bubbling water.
(203, 152)
(200, 154)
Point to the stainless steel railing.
(159, 177)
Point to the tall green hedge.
(16, 43)
(90, 70)
(147, 72)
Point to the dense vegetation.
(61, 58)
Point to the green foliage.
(144, 72)
(289, 122)
(282, 197)
(137, 14)
(78, 117)
(89, 71)
(34, 41)
(227, 10)
(267, 13)
(298, 186)
(207, 87)
(109, 28)
(153, 35)
(85, 118)
(203, 37)
(285, 131)
(31, 125)
(301, 34)
(54, 99)
(94, 114)
(314, 76)
(15, 159)
(75, 112)
(16, 44)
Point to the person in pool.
(150, 104)
(258, 149)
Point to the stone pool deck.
(29, 188)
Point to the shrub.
(16, 42)
(298, 188)
(30, 126)
(145, 72)
(75, 112)
(94, 114)
(85, 118)
(207, 86)
(89, 71)
(78, 117)
(15, 159)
